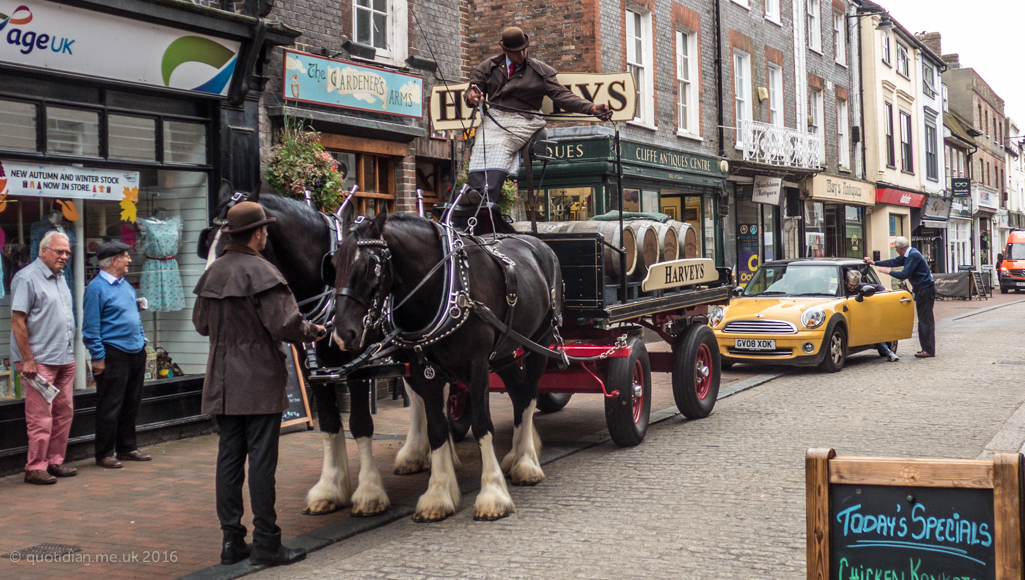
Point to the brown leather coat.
(527, 88)
(245, 307)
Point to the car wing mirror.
(867, 291)
(738, 291)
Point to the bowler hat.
(245, 216)
(514, 39)
(111, 249)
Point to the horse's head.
(211, 241)
(363, 281)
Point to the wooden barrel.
(668, 242)
(647, 244)
(688, 239)
(608, 230)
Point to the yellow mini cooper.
(803, 312)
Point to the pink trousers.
(49, 423)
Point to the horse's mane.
(304, 216)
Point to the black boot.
(234, 548)
(281, 557)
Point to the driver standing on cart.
(515, 85)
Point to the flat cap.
(110, 249)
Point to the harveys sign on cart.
(679, 273)
(617, 90)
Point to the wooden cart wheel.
(627, 415)
(696, 371)
(459, 413)
(552, 402)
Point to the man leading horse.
(515, 86)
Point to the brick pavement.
(165, 508)
(722, 497)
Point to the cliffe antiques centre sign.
(47, 36)
(617, 90)
(337, 83)
(908, 519)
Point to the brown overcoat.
(527, 88)
(244, 305)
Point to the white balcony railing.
(783, 146)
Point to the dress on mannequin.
(161, 281)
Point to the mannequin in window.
(159, 239)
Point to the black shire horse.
(391, 255)
(296, 244)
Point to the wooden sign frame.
(308, 417)
(1002, 474)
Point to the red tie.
(512, 68)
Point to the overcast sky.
(989, 36)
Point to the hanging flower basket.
(299, 163)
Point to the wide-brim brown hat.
(514, 39)
(245, 216)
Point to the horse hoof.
(321, 508)
(526, 474)
(490, 516)
(527, 482)
(410, 469)
(429, 517)
(369, 510)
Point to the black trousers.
(118, 395)
(495, 180)
(924, 300)
(255, 437)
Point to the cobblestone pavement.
(722, 497)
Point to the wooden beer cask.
(688, 239)
(668, 242)
(647, 245)
(608, 230)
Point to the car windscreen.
(794, 280)
(1015, 252)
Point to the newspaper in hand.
(43, 386)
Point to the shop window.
(72, 132)
(18, 123)
(185, 143)
(434, 178)
(131, 138)
(855, 231)
(631, 200)
(896, 229)
(577, 203)
(814, 229)
(171, 210)
(374, 174)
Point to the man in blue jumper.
(916, 271)
(112, 331)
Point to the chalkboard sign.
(913, 518)
(911, 532)
(298, 411)
(980, 287)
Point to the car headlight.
(813, 318)
(717, 315)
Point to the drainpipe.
(861, 99)
(718, 76)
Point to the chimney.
(953, 61)
(932, 40)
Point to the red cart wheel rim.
(457, 404)
(703, 371)
(637, 384)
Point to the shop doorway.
(757, 235)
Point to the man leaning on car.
(916, 271)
